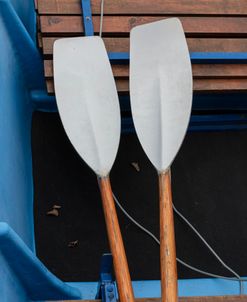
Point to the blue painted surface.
(213, 122)
(22, 90)
(201, 102)
(87, 18)
(38, 282)
(196, 57)
(24, 10)
(106, 290)
(189, 287)
(20, 72)
(218, 57)
(205, 122)
(22, 47)
(42, 101)
(16, 187)
(205, 102)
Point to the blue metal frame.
(106, 287)
(87, 17)
(186, 288)
(196, 57)
(205, 122)
(218, 57)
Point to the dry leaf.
(73, 243)
(53, 212)
(136, 166)
(56, 206)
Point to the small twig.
(53, 212)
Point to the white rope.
(237, 278)
(101, 17)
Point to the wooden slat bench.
(210, 26)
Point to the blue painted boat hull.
(22, 90)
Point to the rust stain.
(53, 20)
(132, 21)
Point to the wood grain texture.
(200, 26)
(122, 85)
(219, 71)
(210, 26)
(118, 70)
(121, 269)
(200, 71)
(171, 7)
(199, 85)
(195, 45)
(168, 262)
(186, 299)
(220, 85)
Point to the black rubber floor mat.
(209, 179)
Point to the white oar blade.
(87, 100)
(160, 88)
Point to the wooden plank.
(220, 85)
(171, 7)
(185, 299)
(39, 40)
(199, 85)
(50, 86)
(199, 70)
(122, 85)
(118, 70)
(61, 24)
(219, 71)
(112, 44)
(193, 26)
(195, 45)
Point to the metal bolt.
(110, 295)
(88, 18)
(110, 288)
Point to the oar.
(88, 105)
(161, 96)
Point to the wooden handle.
(122, 274)
(168, 264)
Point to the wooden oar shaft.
(168, 264)
(122, 274)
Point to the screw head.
(110, 288)
(110, 295)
